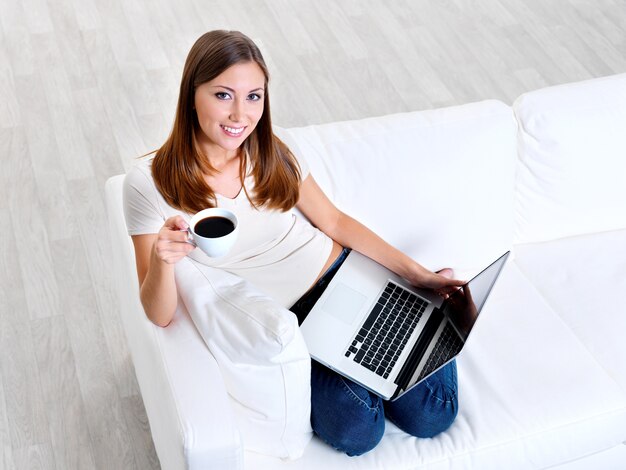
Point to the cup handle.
(190, 239)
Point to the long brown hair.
(179, 167)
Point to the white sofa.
(543, 377)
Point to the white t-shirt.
(280, 253)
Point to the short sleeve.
(304, 166)
(141, 206)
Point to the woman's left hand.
(441, 282)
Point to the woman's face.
(229, 107)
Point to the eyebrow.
(230, 89)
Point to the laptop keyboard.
(388, 327)
(448, 344)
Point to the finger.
(189, 246)
(180, 246)
(454, 282)
(180, 236)
(183, 252)
(171, 235)
(164, 247)
(446, 272)
(445, 293)
(174, 252)
(448, 290)
(176, 223)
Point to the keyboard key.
(371, 318)
(359, 356)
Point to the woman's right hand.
(171, 244)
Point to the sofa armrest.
(571, 165)
(182, 389)
(185, 398)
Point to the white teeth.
(233, 130)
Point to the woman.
(222, 152)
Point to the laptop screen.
(462, 307)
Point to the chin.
(232, 145)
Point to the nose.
(236, 111)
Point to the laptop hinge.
(416, 354)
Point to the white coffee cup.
(217, 236)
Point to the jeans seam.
(435, 395)
(358, 398)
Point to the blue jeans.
(352, 419)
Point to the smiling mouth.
(233, 131)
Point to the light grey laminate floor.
(88, 85)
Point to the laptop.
(373, 327)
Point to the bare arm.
(352, 234)
(156, 255)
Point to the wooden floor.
(88, 85)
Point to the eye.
(222, 95)
(254, 97)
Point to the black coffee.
(214, 227)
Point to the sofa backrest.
(436, 184)
(571, 175)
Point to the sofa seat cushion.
(584, 280)
(531, 395)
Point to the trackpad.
(344, 303)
